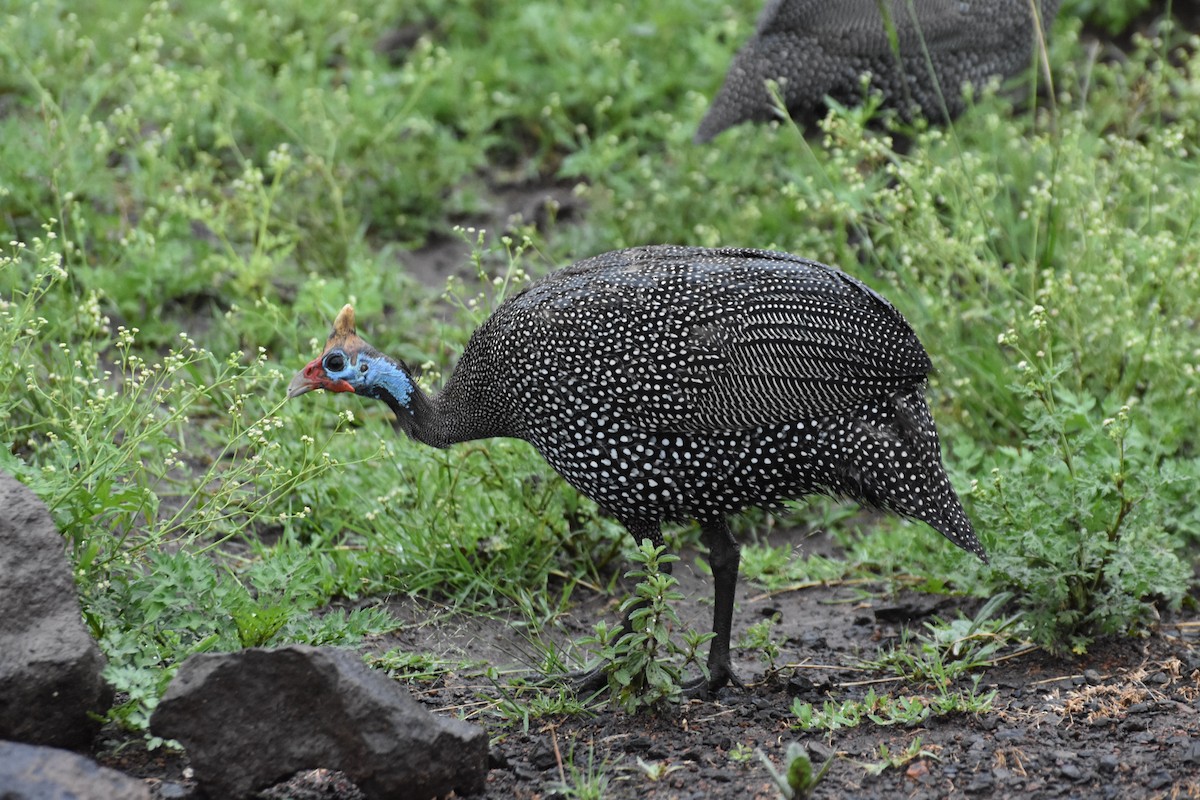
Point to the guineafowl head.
(349, 364)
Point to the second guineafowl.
(675, 383)
(817, 49)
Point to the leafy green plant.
(645, 664)
(885, 710)
(758, 638)
(741, 752)
(582, 781)
(889, 760)
(797, 781)
(1084, 501)
(945, 651)
(655, 771)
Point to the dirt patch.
(1122, 721)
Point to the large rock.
(49, 664)
(251, 719)
(28, 772)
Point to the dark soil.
(1122, 721)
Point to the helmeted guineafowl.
(818, 49)
(675, 383)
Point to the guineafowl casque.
(819, 49)
(674, 383)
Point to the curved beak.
(301, 384)
(312, 377)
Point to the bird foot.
(719, 676)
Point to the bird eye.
(335, 362)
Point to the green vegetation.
(890, 760)
(798, 780)
(946, 651)
(189, 192)
(645, 665)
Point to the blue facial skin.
(372, 375)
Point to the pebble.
(543, 757)
(1109, 763)
(812, 640)
(1093, 677)
(798, 685)
(638, 744)
(981, 783)
(1071, 772)
(1159, 780)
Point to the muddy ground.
(1122, 721)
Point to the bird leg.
(724, 555)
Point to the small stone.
(543, 757)
(1159, 780)
(799, 684)
(1134, 724)
(1109, 763)
(812, 640)
(1071, 772)
(30, 772)
(983, 782)
(638, 744)
(1093, 677)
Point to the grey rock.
(49, 664)
(1071, 771)
(30, 772)
(817, 49)
(251, 719)
(1159, 780)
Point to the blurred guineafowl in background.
(675, 383)
(817, 49)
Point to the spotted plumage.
(675, 383)
(817, 49)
